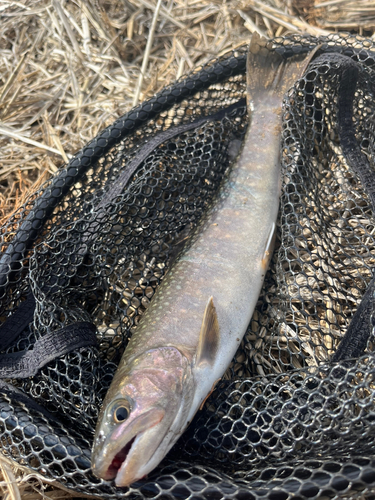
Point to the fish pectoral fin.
(209, 336)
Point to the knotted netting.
(293, 417)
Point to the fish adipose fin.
(269, 71)
(209, 337)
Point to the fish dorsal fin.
(209, 336)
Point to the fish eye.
(120, 410)
(121, 413)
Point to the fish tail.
(269, 71)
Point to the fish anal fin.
(209, 337)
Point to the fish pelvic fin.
(209, 337)
(270, 245)
(268, 70)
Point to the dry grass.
(68, 69)
(17, 483)
(345, 15)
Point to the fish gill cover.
(293, 417)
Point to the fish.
(197, 318)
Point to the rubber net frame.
(284, 422)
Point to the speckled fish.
(194, 324)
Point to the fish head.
(143, 414)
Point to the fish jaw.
(145, 454)
(119, 448)
(159, 387)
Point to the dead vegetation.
(70, 68)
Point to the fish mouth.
(137, 455)
(119, 459)
(127, 451)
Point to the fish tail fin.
(269, 71)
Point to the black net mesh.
(285, 421)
